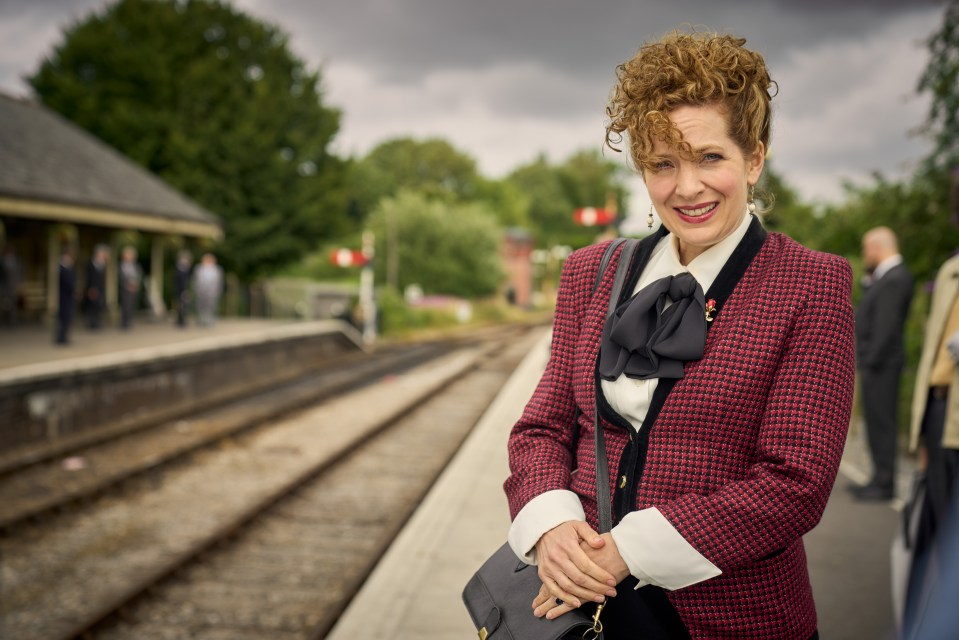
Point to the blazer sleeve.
(541, 442)
(799, 440)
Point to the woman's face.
(701, 200)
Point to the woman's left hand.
(545, 604)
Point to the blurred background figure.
(67, 288)
(131, 278)
(10, 277)
(181, 285)
(95, 294)
(207, 285)
(880, 354)
(935, 428)
(936, 613)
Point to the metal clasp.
(596, 630)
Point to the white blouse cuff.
(541, 514)
(657, 554)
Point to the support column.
(53, 272)
(113, 282)
(367, 300)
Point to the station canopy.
(51, 169)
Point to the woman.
(722, 452)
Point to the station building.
(62, 188)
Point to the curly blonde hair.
(689, 69)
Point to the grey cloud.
(408, 38)
(470, 70)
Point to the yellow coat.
(943, 297)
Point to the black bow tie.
(644, 339)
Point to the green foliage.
(432, 167)
(397, 318)
(213, 102)
(550, 213)
(506, 201)
(941, 79)
(917, 211)
(783, 209)
(585, 179)
(443, 247)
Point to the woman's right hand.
(567, 572)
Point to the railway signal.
(592, 217)
(363, 258)
(348, 258)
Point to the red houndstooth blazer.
(742, 452)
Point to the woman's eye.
(662, 165)
(711, 157)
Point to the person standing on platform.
(208, 286)
(131, 277)
(722, 383)
(95, 295)
(881, 354)
(181, 285)
(10, 277)
(65, 298)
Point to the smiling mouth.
(698, 211)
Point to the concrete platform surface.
(414, 592)
(30, 345)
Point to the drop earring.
(649, 219)
(751, 202)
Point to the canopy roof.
(52, 169)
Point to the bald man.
(880, 354)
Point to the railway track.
(40, 487)
(267, 534)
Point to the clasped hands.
(576, 565)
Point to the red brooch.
(710, 309)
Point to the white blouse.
(651, 547)
(629, 397)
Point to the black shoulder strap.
(604, 262)
(603, 506)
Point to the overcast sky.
(506, 80)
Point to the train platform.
(415, 590)
(32, 345)
(55, 398)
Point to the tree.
(784, 211)
(434, 168)
(445, 248)
(584, 179)
(212, 101)
(941, 79)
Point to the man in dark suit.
(181, 285)
(96, 291)
(67, 285)
(880, 353)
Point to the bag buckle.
(596, 631)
